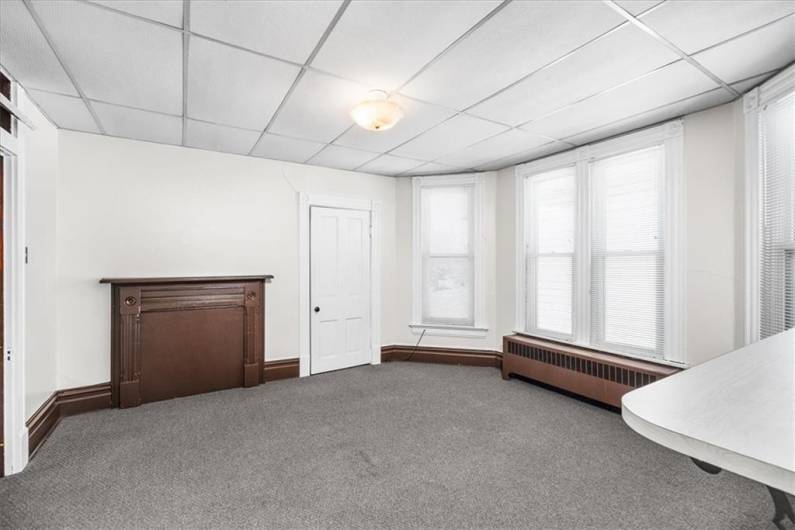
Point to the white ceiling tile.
(636, 7)
(525, 156)
(390, 165)
(694, 24)
(26, 53)
(432, 168)
(518, 40)
(418, 117)
(219, 137)
(668, 112)
(508, 143)
(284, 148)
(666, 85)
(116, 58)
(286, 29)
(383, 43)
(139, 124)
(66, 111)
(763, 50)
(341, 157)
(234, 87)
(319, 108)
(449, 136)
(613, 59)
(168, 12)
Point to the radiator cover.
(599, 376)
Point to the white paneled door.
(340, 288)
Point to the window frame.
(753, 103)
(417, 325)
(669, 135)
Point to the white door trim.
(305, 201)
(13, 353)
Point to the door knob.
(317, 309)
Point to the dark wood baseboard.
(60, 404)
(42, 423)
(71, 401)
(281, 369)
(431, 354)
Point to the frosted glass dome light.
(376, 113)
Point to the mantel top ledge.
(186, 279)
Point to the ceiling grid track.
(302, 72)
(185, 52)
(670, 45)
(66, 70)
(636, 20)
(455, 43)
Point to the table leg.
(783, 507)
(709, 468)
(780, 500)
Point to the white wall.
(506, 252)
(134, 208)
(404, 220)
(714, 166)
(41, 159)
(129, 208)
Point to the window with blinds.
(550, 228)
(627, 252)
(602, 236)
(777, 216)
(448, 257)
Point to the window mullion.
(582, 257)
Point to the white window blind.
(448, 258)
(627, 252)
(550, 228)
(777, 252)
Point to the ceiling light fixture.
(376, 113)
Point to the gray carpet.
(401, 445)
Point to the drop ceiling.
(484, 84)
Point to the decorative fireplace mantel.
(175, 337)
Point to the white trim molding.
(479, 328)
(751, 215)
(753, 103)
(305, 202)
(669, 135)
(12, 148)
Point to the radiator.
(599, 376)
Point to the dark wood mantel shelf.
(187, 279)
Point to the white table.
(735, 412)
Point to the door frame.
(305, 202)
(13, 354)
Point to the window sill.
(448, 330)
